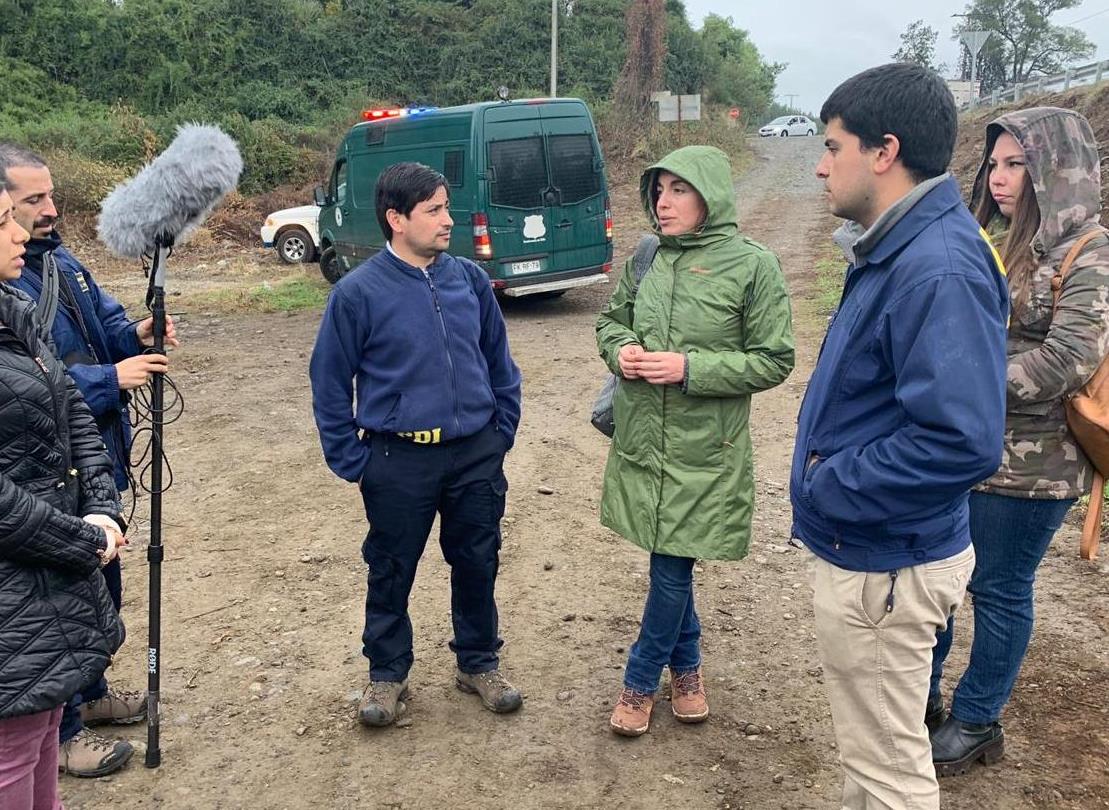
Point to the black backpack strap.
(643, 258)
(47, 308)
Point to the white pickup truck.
(294, 233)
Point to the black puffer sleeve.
(35, 532)
(32, 532)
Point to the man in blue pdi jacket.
(103, 350)
(903, 414)
(417, 400)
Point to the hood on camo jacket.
(1052, 356)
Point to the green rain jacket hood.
(707, 169)
(679, 478)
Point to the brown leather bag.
(1088, 419)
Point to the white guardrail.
(1092, 73)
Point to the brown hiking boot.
(382, 702)
(687, 697)
(632, 714)
(117, 708)
(496, 693)
(88, 754)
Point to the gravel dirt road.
(264, 586)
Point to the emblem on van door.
(338, 218)
(534, 229)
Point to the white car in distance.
(294, 233)
(788, 125)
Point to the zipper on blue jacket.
(447, 344)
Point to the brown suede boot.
(382, 703)
(496, 693)
(632, 714)
(88, 754)
(687, 697)
(116, 707)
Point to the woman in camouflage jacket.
(1037, 192)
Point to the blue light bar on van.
(400, 112)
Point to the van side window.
(339, 184)
(573, 167)
(519, 172)
(452, 167)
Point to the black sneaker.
(956, 746)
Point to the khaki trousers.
(876, 651)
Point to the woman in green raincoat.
(708, 327)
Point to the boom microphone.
(146, 216)
(166, 201)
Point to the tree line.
(1024, 42)
(108, 80)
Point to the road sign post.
(679, 109)
(974, 40)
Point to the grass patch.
(291, 295)
(828, 285)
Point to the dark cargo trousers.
(403, 487)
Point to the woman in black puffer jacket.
(59, 522)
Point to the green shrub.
(81, 183)
(630, 143)
(29, 93)
(116, 135)
(828, 279)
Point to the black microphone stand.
(156, 300)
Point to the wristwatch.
(102, 551)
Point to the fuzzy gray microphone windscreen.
(172, 194)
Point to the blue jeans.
(1010, 536)
(670, 634)
(71, 714)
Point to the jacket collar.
(16, 313)
(393, 260)
(900, 223)
(39, 247)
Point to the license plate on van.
(519, 268)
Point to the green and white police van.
(528, 191)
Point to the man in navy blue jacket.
(104, 353)
(904, 413)
(417, 399)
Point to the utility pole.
(554, 48)
(791, 97)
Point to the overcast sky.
(866, 33)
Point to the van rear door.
(516, 175)
(577, 195)
(546, 193)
